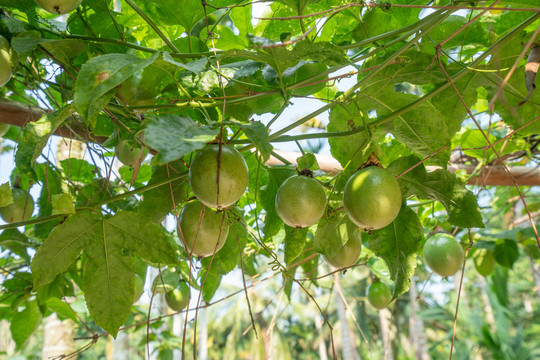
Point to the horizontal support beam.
(20, 115)
(489, 175)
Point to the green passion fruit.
(8, 58)
(203, 229)
(443, 254)
(178, 298)
(300, 201)
(228, 166)
(58, 7)
(372, 198)
(129, 152)
(21, 209)
(379, 295)
(348, 254)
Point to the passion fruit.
(348, 254)
(203, 229)
(8, 58)
(228, 166)
(443, 254)
(21, 209)
(59, 7)
(379, 295)
(372, 198)
(300, 201)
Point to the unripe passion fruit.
(21, 209)
(58, 7)
(203, 229)
(177, 299)
(372, 198)
(348, 254)
(128, 152)
(379, 295)
(8, 58)
(233, 176)
(300, 201)
(443, 254)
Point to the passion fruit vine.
(372, 198)
(300, 201)
(227, 165)
(204, 230)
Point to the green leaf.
(78, 169)
(210, 285)
(176, 136)
(333, 233)
(15, 241)
(142, 236)
(196, 66)
(98, 78)
(160, 201)
(61, 308)
(272, 222)
(24, 323)
(63, 247)
(295, 240)
(35, 137)
(108, 280)
(307, 161)
(258, 134)
(5, 195)
(63, 50)
(398, 245)
(506, 252)
(441, 185)
(168, 12)
(62, 204)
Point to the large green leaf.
(62, 247)
(176, 136)
(98, 78)
(460, 203)
(333, 233)
(398, 245)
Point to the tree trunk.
(177, 326)
(57, 338)
(347, 346)
(488, 309)
(417, 334)
(7, 345)
(203, 335)
(386, 334)
(121, 347)
(323, 355)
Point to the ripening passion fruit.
(372, 198)
(21, 209)
(203, 229)
(58, 7)
(229, 167)
(300, 201)
(443, 254)
(348, 254)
